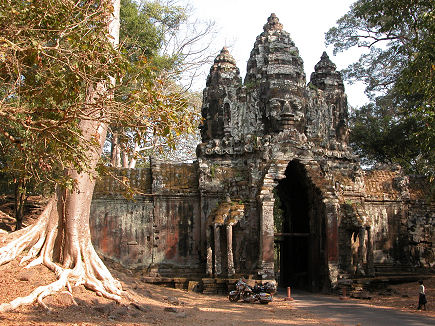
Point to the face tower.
(275, 193)
(270, 149)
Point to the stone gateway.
(275, 192)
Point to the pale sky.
(239, 22)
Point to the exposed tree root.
(80, 263)
(25, 238)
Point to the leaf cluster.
(398, 69)
(145, 27)
(52, 54)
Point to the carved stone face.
(274, 108)
(286, 107)
(282, 111)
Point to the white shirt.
(421, 289)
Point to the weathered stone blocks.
(276, 192)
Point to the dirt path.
(147, 304)
(354, 312)
(152, 305)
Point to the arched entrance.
(299, 220)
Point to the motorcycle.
(262, 293)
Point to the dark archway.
(299, 217)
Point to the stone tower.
(274, 144)
(275, 193)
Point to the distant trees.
(176, 47)
(398, 126)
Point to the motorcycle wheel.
(248, 297)
(234, 296)
(265, 298)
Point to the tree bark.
(115, 150)
(20, 200)
(61, 238)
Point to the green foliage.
(399, 71)
(147, 29)
(213, 169)
(146, 26)
(49, 53)
(52, 52)
(380, 134)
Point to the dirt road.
(352, 312)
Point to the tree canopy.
(155, 28)
(50, 51)
(64, 78)
(398, 69)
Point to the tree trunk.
(124, 159)
(20, 201)
(115, 150)
(133, 160)
(61, 239)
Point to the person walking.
(421, 296)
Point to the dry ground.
(146, 304)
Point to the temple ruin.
(275, 192)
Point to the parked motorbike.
(262, 293)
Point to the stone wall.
(276, 192)
(158, 229)
(389, 227)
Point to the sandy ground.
(143, 304)
(146, 304)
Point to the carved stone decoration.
(325, 75)
(275, 194)
(219, 97)
(276, 127)
(327, 79)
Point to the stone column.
(231, 270)
(332, 230)
(332, 209)
(361, 251)
(266, 239)
(370, 257)
(217, 251)
(209, 263)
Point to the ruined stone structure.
(275, 193)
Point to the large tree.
(61, 85)
(398, 68)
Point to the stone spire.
(219, 97)
(224, 67)
(272, 23)
(224, 59)
(275, 65)
(326, 76)
(275, 56)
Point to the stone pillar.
(361, 251)
(209, 263)
(370, 257)
(332, 209)
(231, 270)
(217, 251)
(266, 239)
(332, 231)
